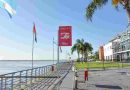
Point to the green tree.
(83, 48)
(96, 55)
(76, 47)
(97, 4)
(87, 50)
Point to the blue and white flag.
(9, 6)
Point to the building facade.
(117, 49)
(121, 47)
(108, 51)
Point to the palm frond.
(73, 48)
(93, 6)
(78, 41)
(115, 2)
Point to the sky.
(48, 15)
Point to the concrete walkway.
(46, 83)
(68, 82)
(114, 79)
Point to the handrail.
(21, 79)
(26, 70)
(58, 82)
(14, 79)
(29, 77)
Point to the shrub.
(78, 60)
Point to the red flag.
(35, 33)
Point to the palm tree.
(97, 4)
(76, 47)
(87, 49)
(82, 47)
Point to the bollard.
(52, 68)
(76, 81)
(86, 75)
(73, 69)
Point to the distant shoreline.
(30, 60)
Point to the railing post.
(31, 75)
(5, 84)
(35, 73)
(20, 80)
(12, 82)
(39, 73)
(46, 71)
(1, 83)
(42, 71)
(26, 77)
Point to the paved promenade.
(114, 79)
(44, 84)
(68, 82)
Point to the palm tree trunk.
(78, 55)
(82, 57)
(85, 57)
(128, 14)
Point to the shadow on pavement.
(108, 86)
(97, 70)
(123, 73)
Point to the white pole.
(58, 53)
(58, 59)
(32, 49)
(53, 50)
(32, 59)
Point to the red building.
(101, 53)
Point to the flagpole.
(58, 60)
(58, 53)
(66, 55)
(32, 49)
(53, 50)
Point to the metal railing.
(21, 79)
(26, 79)
(64, 71)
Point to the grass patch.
(90, 65)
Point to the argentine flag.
(9, 6)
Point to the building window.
(107, 57)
